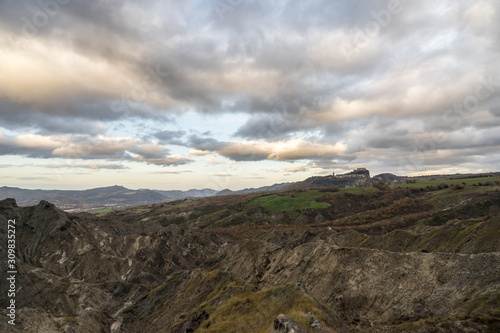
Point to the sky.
(244, 93)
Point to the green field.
(302, 200)
(107, 210)
(468, 182)
(179, 205)
(358, 190)
(103, 211)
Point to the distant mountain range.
(97, 198)
(272, 188)
(193, 193)
(119, 196)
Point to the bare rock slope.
(81, 273)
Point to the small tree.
(457, 186)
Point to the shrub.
(494, 211)
(430, 188)
(329, 189)
(442, 186)
(381, 186)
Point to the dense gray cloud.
(19, 116)
(204, 143)
(319, 80)
(169, 137)
(92, 166)
(258, 151)
(74, 147)
(269, 126)
(25, 151)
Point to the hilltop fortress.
(359, 173)
(357, 177)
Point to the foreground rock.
(285, 324)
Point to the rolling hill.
(117, 197)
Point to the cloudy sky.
(244, 93)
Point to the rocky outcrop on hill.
(387, 178)
(285, 324)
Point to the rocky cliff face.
(78, 270)
(372, 287)
(80, 273)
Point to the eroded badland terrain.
(419, 256)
